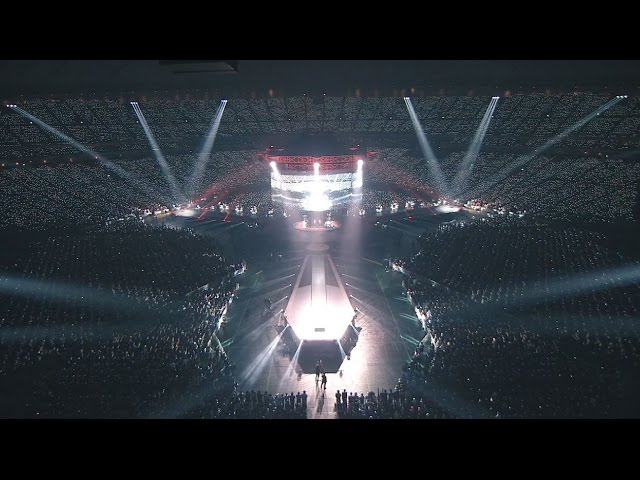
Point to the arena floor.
(388, 329)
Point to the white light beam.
(521, 161)
(427, 152)
(466, 166)
(166, 170)
(95, 155)
(203, 156)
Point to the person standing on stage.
(323, 384)
(317, 370)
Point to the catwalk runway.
(268, 359)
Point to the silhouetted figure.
(323, 384)
(318, 368)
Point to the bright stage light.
(447, 208)
(324, 322)
(357, 183)
(320, 310)
(276, 174)
(319, 191)
(187, 212)
(317, 202)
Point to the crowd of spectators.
(231, 402)
(522, 120)
(111, 322)
(524, 320)
(505, 259)
(586, 188)
(397, 403)
(522, 317)
(50, 197)
(602, 188)
(566, 187)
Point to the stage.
(327, 226)
(319, 307)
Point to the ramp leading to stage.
(319, 307)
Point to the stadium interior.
(255, 239)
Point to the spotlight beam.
(166, 170)
(466, 166)
(62, 293)
(343, 354)
(185, 402)
(95, 155)
(427, 151)
(253, 371)
(451, 401)
(203, 156)
(522, 161)
(291, 367)
(276, 172)
(584, 283)
(357, 183)
(559, 288)
(255, 333)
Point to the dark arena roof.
(315, 145)
(252, 78)
(481, 261)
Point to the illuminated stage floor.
(275, 256)
(387, 328)
(324, 227)
(318, 308)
